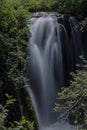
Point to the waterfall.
(52, 56)
(76, 39)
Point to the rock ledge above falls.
(48, 14)
(61, 18)
(45, 14)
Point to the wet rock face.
(54, 15)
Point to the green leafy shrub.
(13, 58)
(83, 24)
(23, 124)
(73, 106)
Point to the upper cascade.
(46, 14)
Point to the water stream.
(53, 55)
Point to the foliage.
(23, 124)
(83, 24)
(40, 5)
(71, 6)
(13, 48)
(78, 7)
(73, 98)
(13, 43)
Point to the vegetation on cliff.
(13, 46)
(72, 99)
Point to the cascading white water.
(47, 67)
(76, 39)
(45, 54)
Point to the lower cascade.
(53, 52)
